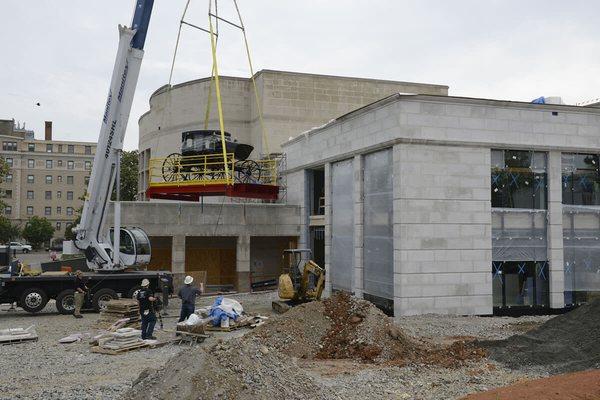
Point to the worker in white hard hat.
(145, 298)
(188, 294)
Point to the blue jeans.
(148, 322)
(186, 311)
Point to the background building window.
(30, 163)
(8, 178)
(519, 179)
(30, 195)
(8, 210)
(49, 179)
(88, 150)
(48, 195)
(60, 163)
(30, 179)
(69, 210)
(47, 210)
(58, 226)
(8, 194)
(30, 146)
(69, 180)
(9, 146)
(70, 149)
(58, 194)
(86, 180)
(69, 195)
(58, 210)
(59, 179)
(9, 161)
(29, 210)
(60, 148)
(88, 165)
(48, 148)
(70, 164)
(48, 164)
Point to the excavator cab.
(302, 279)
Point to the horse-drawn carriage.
(201, 158)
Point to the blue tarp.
(218, 314)
(539, 100)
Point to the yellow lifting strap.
(219, 105)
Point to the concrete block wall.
(442, 230)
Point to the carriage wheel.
(171, 168)
(248, 172)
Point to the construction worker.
(145, 298)
(79, 295)
(188, 294)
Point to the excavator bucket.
(286, 287)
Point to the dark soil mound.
(567, 343)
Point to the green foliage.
(69, 235)
(37, 231)
(129, 176)
(8, 231)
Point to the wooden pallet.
(141, 345)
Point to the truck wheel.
(33, 300)
(25, 251)
(101, 297)
(65, 302)
(132, 293)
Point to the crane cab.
(134, 246)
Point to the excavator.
(302, 280)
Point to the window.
(60, 163)
(581, 179)
(47, 210)
(48, 148)
(519, 179)
(88, 150)
(520, 283)
(8, 178)
(58, 194)
(69, 210)
(70, 149)
(58, 210)
(29, 210)
(59, 179)
(9, 146)
(9, 161)
(48, 195)
(88, 165)
(69, 180)
(8, 194)
(30, 179)
(69, 195)
(8, 210)
(58, 226)
(60, 148)
(70, 164)
(86, 180)
(48, 164)
(30, 146)
(49, 179)
(30, 163)
(30, 195)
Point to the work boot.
(152, 337)
(78, 316)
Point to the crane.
(106, 251)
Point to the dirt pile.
(569, 342)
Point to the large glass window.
(378, 274)
(519, 179)
(581, 179)
(342, 226)
(520, 283)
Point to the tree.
(129, 176)
(8, 231)
(38, 230)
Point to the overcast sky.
(61, 52)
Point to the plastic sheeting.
(581, 244)
(342, 226)
(378, 273)
(519, 235)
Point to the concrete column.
(327, 290)
(555, 231)
(358, 167)
(243, 263)
(396, 226)
(178, 254)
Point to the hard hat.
(188, 280)
(145, 283)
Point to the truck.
(115, 262)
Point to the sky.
(60, 53)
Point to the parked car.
(16, 246)
(55, 247)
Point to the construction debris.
(124, 339)
(18, 335)
(75, 337)
(120, 313)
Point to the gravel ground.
(46, 369)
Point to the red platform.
(190, 192)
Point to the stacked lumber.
(17, 335)
(124, 339)
(124, 312)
